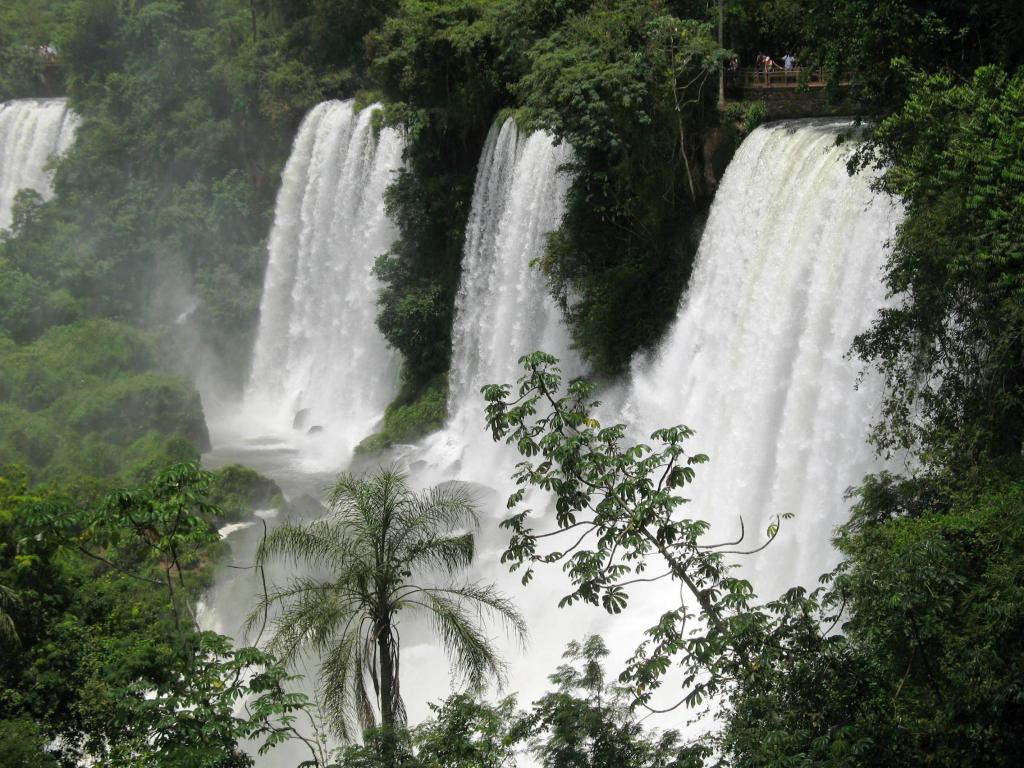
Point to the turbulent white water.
(32, 131)
(503, 309)
(788, 271)
(322, 373)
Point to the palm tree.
(8, 633)
(377, 545)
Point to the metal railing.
(756, 77)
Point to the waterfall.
(503, 308)
(32, 131)
(787, 273)
(321, 370)
(788, 270)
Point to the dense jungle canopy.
(911, 652)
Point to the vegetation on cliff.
(909, 654)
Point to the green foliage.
(381, 748)
(585, 723)
(870, 39)
(380, 540)
(588, 722)
(152, 178)
(416, 311)
(25, 25)
(128, 408)
(744, 117)
(8, 632)
(928, 665)
(188, 110)
(190, 722)
(951, 349)
(22, 744)
(438, 64)
(108, 661)
(408, 419)
(238, 491)
(464, 732)
(618, 508)
(630, 87)
(81, 400)
(624, 82)
(37, 375)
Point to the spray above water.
(322, 372)
(32, 132)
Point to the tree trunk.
(387, 677)
(388, 685)
(721, 69)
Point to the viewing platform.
(792, 93)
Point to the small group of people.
(766, 63)
(48, 51)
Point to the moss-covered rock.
(409, 419)
(239, 491)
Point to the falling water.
(503, 308)
(788, 272)
(32, 131)
(322, 372)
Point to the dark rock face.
(792, 103)
(314, 429)
(301, 417)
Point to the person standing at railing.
(789, 62)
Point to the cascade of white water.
(788, 271)
(503, 309)
(322, 372)
(32, 131)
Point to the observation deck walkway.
(792, 93)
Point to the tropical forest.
(511, 384)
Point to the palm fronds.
(8, 632)
(378, 544)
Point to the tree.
(193, 719)
(110, 667)
(463, 732)
(928, 667)
(588, 723)
(617, 507)
(22, 744)
(631, 88)
(377, 543)
(466, 732)
(951, 349)
(8, 633)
